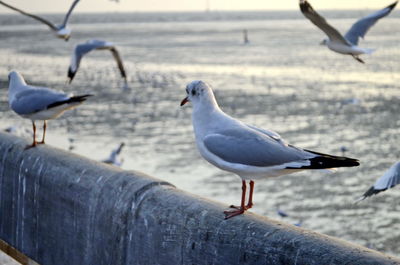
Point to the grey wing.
(390, 179)
(117, 58)
(253, 148)
(34, 100)
(320, 22)
(69, 12)
(361, 27)
(272, 134)
(80, 50)
(51, 25)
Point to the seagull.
(245, 37)
(38, 103)
(249, 152)
(61, 31)
(71, 144)
(344, 149)
(299, 223)
(84, 48)
(281, 213)
(390, 179)
(113, 158)
(347, 44)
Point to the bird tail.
(368, 51)
(324, 161)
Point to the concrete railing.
(60, 208)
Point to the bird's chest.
(340, 48)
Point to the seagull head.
(324, 42)
(15, 77)
(198, 91)
(71, 75)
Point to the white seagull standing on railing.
(347, 44)
(61, 31)
(390, 179)
(38, 103)
(248, 151)
(84, 48)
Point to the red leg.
(250, 203)
(34, 136)
(242, 208)
(44, 132)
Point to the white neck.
(206, 113)
(16, 85)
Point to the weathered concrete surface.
(60, 208)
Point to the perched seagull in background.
(347, 44)
(61, 31)
(84, 48)
(248, 151)
(38, 103)
(281, 213)
(299, 223)
(390, 179)
(113, 158)
(344, 149)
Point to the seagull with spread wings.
(390, 179)
(84, 48)
(347, 44)
(61, 31)
(114, 158)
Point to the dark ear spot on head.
(193, 92)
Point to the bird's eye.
(193, 92)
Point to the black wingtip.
(81, 98)
(306, 8)
(324, 161)
(321, 162)
(392, 5)
(73, 99)
(304, 5)
(372, 191)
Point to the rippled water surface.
(283, 80)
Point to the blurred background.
(282, 79)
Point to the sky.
(61, 6)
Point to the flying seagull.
(390, 179)
(113, 158)
(84, 48)
(61, 31)
(347, 44)
(250, 152)
(38, 103)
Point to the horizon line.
(8, 12)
